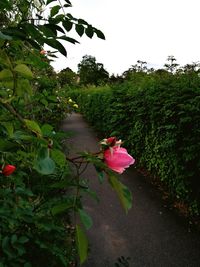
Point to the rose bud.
(111, 141)
(8, 170)
(117, 159)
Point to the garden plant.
(40, 191)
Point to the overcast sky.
(148, 30)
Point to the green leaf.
(68, 39)
(59, 157)
(57, 45)
(45, 166)
(9, 128)
(23, 86)
(6, 74)
(50, 1)
(23, 239)
(82, 244)
(79, 29)
(122, 191)
(82, 21)
(33, 126)
(67, 24)
(55, 10)
(89, 31)
(47, 129)
(61, 208)
(85, 219)
(5, 36)
(24, 71)
(100, 34)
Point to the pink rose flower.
(43, 52)
(117, 159)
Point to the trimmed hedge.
(159, 119)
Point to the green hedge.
(159, 119)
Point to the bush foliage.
(158, 115)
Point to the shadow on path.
(149, 234)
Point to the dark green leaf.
(100, 34)
(50, 1)
(61, 208)
(67, 24)
(5, 37)
(68, 39)
(57, 45)
(79, 29)
(85, 219)
(89, 31)
(81, 21)
(55, 10)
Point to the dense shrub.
(159, 117)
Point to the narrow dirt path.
(151, 235)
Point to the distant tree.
(171, 66)
(115, 79)
(91, 72)
(67, 77)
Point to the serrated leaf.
(79, 29)
(122, 191)
(67, 24)
(82, 244)
(33, 126)
(24, 71)
(85, 219)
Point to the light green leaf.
(24, 71)
(23, 86)
(6, 74)
(82, 244)
(60, 208)
(85, 219)
(122, 191)
(45, 166)
(33, 126)
(59, 157)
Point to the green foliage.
(158, 116)
(39, 197)
(91, 72)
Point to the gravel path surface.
(150, 234)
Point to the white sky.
(148, 30)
